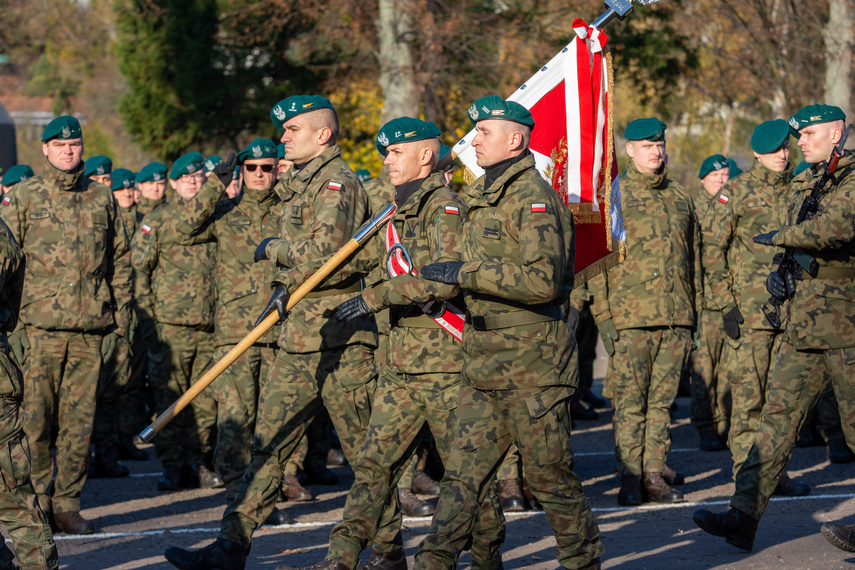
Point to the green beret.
(770, 136)
(287, 109)
(152, 172)
(405, 129)
(363, 175)
(189, 163)
(712, 163)
(649, 129)
(814, 114)
(17, 173)
(63, 128)
(280, 151)
(212, 161)
(122, 178)
(259, 148)
(734, 168)
(97, 165)
(803, 165)
(494, 107)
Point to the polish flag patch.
(7, 200)
(334, 185)
(146, 229)
(452, 210)
(538, 207)
(723, 199)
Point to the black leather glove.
(732, 319)
(261, 250)
(278, 302)
(765, 239)
(444, 272)
(226, 169)
(352, 308)
(779, 286)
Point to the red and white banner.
(572, 142)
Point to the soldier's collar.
(417, 194)
(497, 171)
(655, 180)
(62, 179)
(311, 168)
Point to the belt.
(833, 273)
(515, 318)
(355, 288)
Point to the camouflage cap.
(152, 172)
(122, 179)
(405, 129)
(363, 175)
(770, 136)
(734, 168)
(494, 107)
(287, 109)
(212, 161)
(189, 163)
(803, 165)
(97, 165)
(813, 115)
(280, 151)
(17, 173)
(64, 128)
(712, 163)
(259, 148)
(648, 129)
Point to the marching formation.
(451, 332)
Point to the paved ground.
(137, 523)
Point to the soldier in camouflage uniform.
(20, 513)
(14, 175)
(645, 309)
(175, 305)
(736, 271)
(100, 169)
(420, 380)
(710, 388)
(320, 360)
(519, 357)
(76, 302)
(238, 226)
(151, 181)
(818, 341)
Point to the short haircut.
(324, 118)
(512, 126)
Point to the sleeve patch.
(146, 228)
(723, 199)
(452, 210)
(7, 200)
(334, 185)
(538, 207)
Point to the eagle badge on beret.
(383, 139)
(280, 114)
(99, 171)
(473, 111)
(256, 151)
(66, 132)
(794, 122)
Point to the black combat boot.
(198, 476)
(335, 458)
(841, 536)
(72, 522)
(104, 465)
(510, 495)
(170, 480)
(325, 564)
(734, 526)
(710, 440)
(673, 477)
(412, 506)
(395, 560)
(277, 517)
(589, 397)
(579, 411)
(222, 555)
(838, 451)
(127, 449)
(659, 491)
(321, 476)
(630, 490)
(791, 488)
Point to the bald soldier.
(819, 335)
(520, 365)
(76, 302)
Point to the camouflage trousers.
(182, 356)
(20, 512)
(511, 467)
(795, 383)
(403, 405)
(644, 373)
(711, 399)
(60, 380)
(343, 380)
(746, 364)
(489, 421)
(115, 375)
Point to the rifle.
(794, 260)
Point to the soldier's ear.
(171, 183)
(630, 150)
(45, 149)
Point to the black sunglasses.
(264, 167)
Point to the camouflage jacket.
(11, 286)
(145, 206)
(736, 268)
(822, 311)
(78, 271)
(174, 272)
(429, 226)
(239, 225)
(324, 205)
(131, 219)
(659, 282)
(518, 254)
